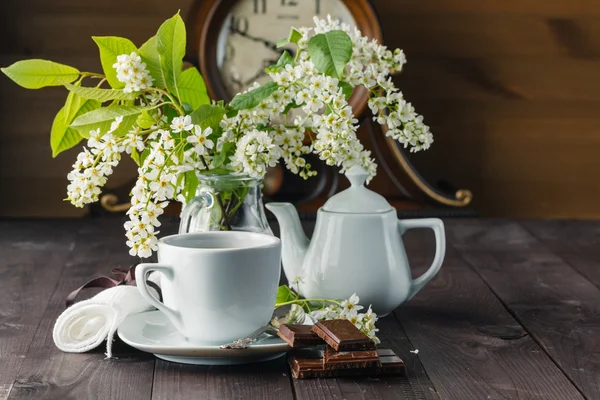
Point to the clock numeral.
(239, 24)
(318, 7)
(289, 3)
(260, 6)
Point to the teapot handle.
(440, 249)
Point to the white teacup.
(216, 286)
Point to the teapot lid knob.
(357, 175)
(357, 199)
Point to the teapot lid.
(357, 199)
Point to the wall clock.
(233, 41)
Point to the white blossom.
(180, 124)
(132, 72)
(348, 309)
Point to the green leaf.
(284, 60)
(100, 95)
(294, 37)
(254, 97)
(216, 171)
(144, 155)
(71, 107)
(190, 185)
(110, 47)
(36, 74)
(135, 156)
(208, 115)
(192, 88)
(290, 106)
(145, 120)
(150, 57)
(226, 151)
(347, 89)
(170, 44)
(103, 118)
(62, 137)
(170, 112)
(330, 52)
(284, 294)
(187, 108)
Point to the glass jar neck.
(228, 182)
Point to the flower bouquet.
(146, 106)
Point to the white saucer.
(152, 332)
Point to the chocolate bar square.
(342, 335)
(350, 359)
(312, 367)
(391, 364)
(298, 335)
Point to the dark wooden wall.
(511, 89)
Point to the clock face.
(247, 41)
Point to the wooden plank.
(30, 266)
(495, 235)
(476, 35)
(564, 235)
(47, 372)
(486, 78)
(560, 8)
(470, 346)
(416, 385)
(456, 35)
(555, 304)
(268, 380)
(576, 242)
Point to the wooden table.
(513, 314)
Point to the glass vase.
(223, 203)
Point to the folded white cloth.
(86, 324)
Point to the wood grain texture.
(576, 242)
(416, 385)
(510, 89)
(48, 373)
(30, 266)
(470, 345)
(557, 306)
(505, 318)
(268, 380)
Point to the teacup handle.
(440, 249)
(141, 271)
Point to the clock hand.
(266, 64)
(269, 44)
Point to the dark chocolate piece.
(350, 359)
(310, 353)
(342, 335)
(298, 335)
(385, 352)
(303, 368)
(391, 364)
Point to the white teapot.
(356, 248)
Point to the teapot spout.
(293, 240)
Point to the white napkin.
(86, 324)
